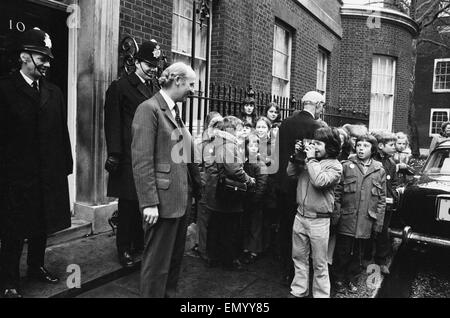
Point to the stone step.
(79, 229)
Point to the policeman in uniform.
(35, 160)
(122, 99)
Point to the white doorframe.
(70, 6)
(72, 75)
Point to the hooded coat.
(228, 161)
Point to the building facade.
(376, 63)
(281, 47)
(432, 85)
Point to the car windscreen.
(438, 163)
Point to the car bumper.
(407, 235)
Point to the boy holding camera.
(315, 198)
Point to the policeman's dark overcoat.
(122, 99)
(35, 158)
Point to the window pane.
(181, 35)
(201, 39)
(280, 87)
(281, 61)
(280, 65)
(182, 30)
(437, 118)
(383, 89)
(322, 61)
(282, 39)
(442, 75)
(185, 8)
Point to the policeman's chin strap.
(149, 74)
(35, 66)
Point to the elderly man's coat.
(35, 158)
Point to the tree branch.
(429, 11)
(436, 16)
(423, 4)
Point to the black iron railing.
(228, 100)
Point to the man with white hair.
(165, 179)
(301, 125)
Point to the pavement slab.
(103, 277)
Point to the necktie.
(177, 116)
(35, 86)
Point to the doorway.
(18, 16)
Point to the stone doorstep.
(98, 215)
(79, 229)
(95, 256)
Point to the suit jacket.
(122, 99)
(300, 125)
(162, 157)
(35, 158)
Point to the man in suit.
(166, 178)
(35, 160)
(122, 99)
(301, 125)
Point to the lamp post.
(129, 48)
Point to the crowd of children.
(346, 194)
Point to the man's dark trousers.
(161, 260)
(129, 228)
(164, 245)
(10, 257)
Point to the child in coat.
(315, 198)
(402, 157)
(253, 213)
(359, 210)
(386, 150)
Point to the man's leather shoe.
(43, 275)
(11, 293)
(126, 260)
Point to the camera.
(299, 157)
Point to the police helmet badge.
(48, 41)
(157, 52)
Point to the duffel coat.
(229, 162)
(360, 199)
(35, 158)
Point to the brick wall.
(231, 42)
(358, 46)
(147, 19)
(242, 45)
(424, 97)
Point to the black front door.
(17, 16)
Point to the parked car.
(423, 212)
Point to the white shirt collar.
(314, 116)
(168, 100)
(27, 79)
(142, 80)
